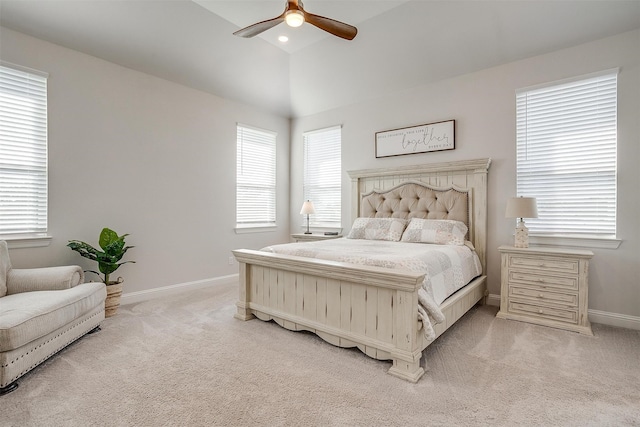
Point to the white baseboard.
(139, 296)
(614, 319)
(595, 316)
(493, 299)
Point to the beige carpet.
(185, 361)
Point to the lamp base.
(307, 232)
(522, 235)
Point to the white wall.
(155, 159)
(483, 105)
(143, 156)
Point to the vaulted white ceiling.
(400, 44)
(352, 12)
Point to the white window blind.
(566, 154)
(323, 175)
(23, 150)
(256, 177)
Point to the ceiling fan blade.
(332, 26)
(255, 29)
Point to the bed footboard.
(374, 309)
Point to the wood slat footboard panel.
(374, 309)
(356, 307)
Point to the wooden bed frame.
(374, 309)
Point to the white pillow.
(437, 231)
(378, 229)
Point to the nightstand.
(301, 237)
(546, 286)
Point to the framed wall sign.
(416, 139)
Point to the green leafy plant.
(113, 249)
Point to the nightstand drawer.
(543, 281)
(570, 316)
(544, 263)
(568, 300)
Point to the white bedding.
(447, 268)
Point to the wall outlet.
(232, 260)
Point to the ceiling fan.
(294, 15)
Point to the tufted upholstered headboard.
(416, 200)
(452, 190)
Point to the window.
(323, 175)
(566, 155)
(23, 151)
(256, 178)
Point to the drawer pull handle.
(540, 295)
(540, 311)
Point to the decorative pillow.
(378, 229)
(438, 231)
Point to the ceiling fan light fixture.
(294, 15)
(294, 18)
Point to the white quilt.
(447, 268)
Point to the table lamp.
(307, 209)
(522, 207)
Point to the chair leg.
(94, 330)
(8, 388)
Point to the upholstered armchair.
(42, 310)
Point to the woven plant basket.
(111, 304)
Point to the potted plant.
(108, 259)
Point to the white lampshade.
(294, 18)
(307, 208)
(521, 207)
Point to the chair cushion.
(28, 316)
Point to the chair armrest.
(43, 279)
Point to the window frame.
(317, 220)
(551, 238)
(270, 137)
(30, 81)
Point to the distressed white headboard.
(467, 178)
